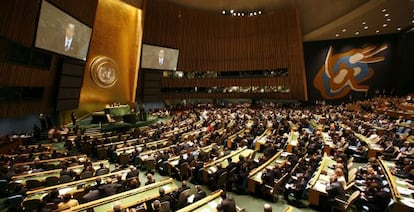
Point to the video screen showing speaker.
(160, 58)
(61, 33)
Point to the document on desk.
(408, 202)
(320, 186)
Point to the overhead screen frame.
(150, 57)
(46, 40)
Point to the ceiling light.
(412, 21)
(377, 31)
(343, 30)
(254, 13)
(231, 11)
(223, 12)
(386, 14)
(365, 27)
(384, 10)
(337, 35)
(399, 28)
(384, 25)
(363, 23)
(260, 12)
(356, 33)
(388, 19)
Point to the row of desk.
(41, 176)
(401, 194)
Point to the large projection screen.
(61, 33)
(157, 57)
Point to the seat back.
(352, 175)
(354, 196)
(165, 206)
(222, 180)
(123, 158)
(51, 181)
(14, 202)
(32, 184)
(182, 198)
(102, 153)
(150, 165)
(86, 174)
(65, 179)
(184, 171)
(101, 172)
(31, 205)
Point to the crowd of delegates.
(342, 123)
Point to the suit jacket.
(336, 190)
(111, 189)
(227, 205)
(59, 45)
(199, 195)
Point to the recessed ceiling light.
(260, 12)
(365, 27)
(399, 28)
(384, 10)
(388, 19)
(356, 33)
(363, 23)
(223, 12)
(337, 35)
(386, 14)
(377, 31)
(231, 11)
(254, 13)
(384, 25)
(242, 14)
(412, 21)
(344, 30)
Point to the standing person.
(74, 118)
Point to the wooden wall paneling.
(213, 42)
(18, 20)
(82, 10)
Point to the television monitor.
(157, 57)
(61, 33)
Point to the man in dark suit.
(67, 43)
(134, 172)
(200, 194)
(335, 190)
(227, 203)
(110, 188)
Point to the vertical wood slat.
(18, 21)
(213, 42)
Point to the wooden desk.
(404, 202)
(129, 198)
(207, 204)
(328, 144)
(41, 176)
(292, 141)
(53, 161)
(71, 187)
(255, 176)
(262, 139)
(373, 148)
(320, 180)
(232, 137)
(211, 168)
(173, 162)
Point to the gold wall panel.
(117, 34)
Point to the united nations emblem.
(104, 72)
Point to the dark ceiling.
(325, 19)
